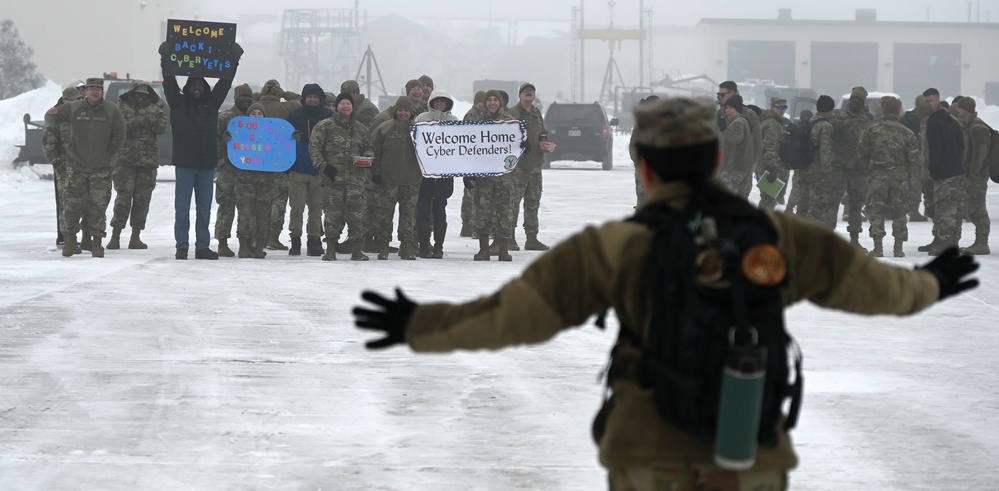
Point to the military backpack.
(796, 149)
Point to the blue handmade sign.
(261, 144)
(200, 49)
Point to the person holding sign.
(434, 192)
(338, 148)
(493, 195)
(397, 177)
(194, 114)
(255, 192)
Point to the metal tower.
(613, 37)
(320, 45)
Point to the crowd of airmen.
(95, 144)
(879, 168)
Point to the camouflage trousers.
(381, 209)
(493, 202)
(739, 182)
(60, 175)
(468, 206)
(344, 203)
(305, 191)
(889, 199)
(226, 176)
(915, 186)
(975, 189)
(639, 189)
(526, 186)
(87, 195)
(797, 199)
(826, 193)
(254, 197)
(133, 185)
(373, 194)
(681, 478)
(947, 207)
(280, 203)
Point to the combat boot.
(96, 250)
(314, 247)
(331, 246)
(504, 253)
(246, 250)
(86, 242)
(206, 253)
(69, 247)
(275, 244)
(898, 247)
(370, 245)
(980, 247)
(878, 250)
(135, 243)
(494, 247)
(925, 248)
(407, 251)
(916, 216)
(115, 242)
(343, 247)
(356, 253)
(939, 248)
(383, 251)
(440, 231)
(533, 244)
(466, 229)
(423, 235)
(855, 241)
(512, 244)
(224, 249)
(296, 247)
(483, 254)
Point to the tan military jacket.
(607, 267)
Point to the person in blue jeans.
(194, 114)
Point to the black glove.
(377, 179)
(392, 318)
(237, 50)
(164, 49)
(526, 146)
(469, 182)
(330, 172)
(949, 268)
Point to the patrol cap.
(675, 122)
(350, 86)
(859, 92)
(527, 86)
(95, 82)
(777, 101)
(71, 93)
(890, 106)
(143, 89)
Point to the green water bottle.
(740, 405)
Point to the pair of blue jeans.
(200, 183)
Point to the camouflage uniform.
(55, 142)
(274, 108)
(772, 130)
(671, 478)
(334, 142)
(527, 180)
(890, 152)
(136, 166)
(226, 176)
(468, 197)
(398, 170)
(814, 177)
(736, 142)
(945, 149)
(846, 175)
(639, 187)
(977, 136)
(494, 199)
(97, 134)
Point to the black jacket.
(945, 143)
(194, 121)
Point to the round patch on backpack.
(764, 265)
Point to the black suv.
(580, 132)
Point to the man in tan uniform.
(608, 267)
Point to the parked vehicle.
(580, 132)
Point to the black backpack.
(796, 148)
(715, 237)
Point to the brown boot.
(423, 236)
(96, 250)
(855, 241)
(86, 242)
(115, 242)
(980, 247)
(356, 253)
(878, 250)
(440, 231)
(898, 247)
(466, 229)
(915, 216)
(275, 244)
(504, 252)
(224, 250)
(70, 247)
(533, 244)
(483, 254)
(134, 242)
(246, 250)
(330, 250)
(512, 244)
(925, 248)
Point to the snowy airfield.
(138, 371)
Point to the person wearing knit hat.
(434, 192)
(330, 101)
(474, 113)
(226, 174)
(254, 190)
(414, 89)
(397, 175)
(945, 149)
(977, 135)
(889, 150)
(340, 150)
(813, 177)
(613, 266)
(738, 152)
(428, 87)
(478, 106)
(278, 103)
(504, 98)
(305, 185)
(54, 145)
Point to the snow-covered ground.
(142, 372)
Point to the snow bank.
(12, 112)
